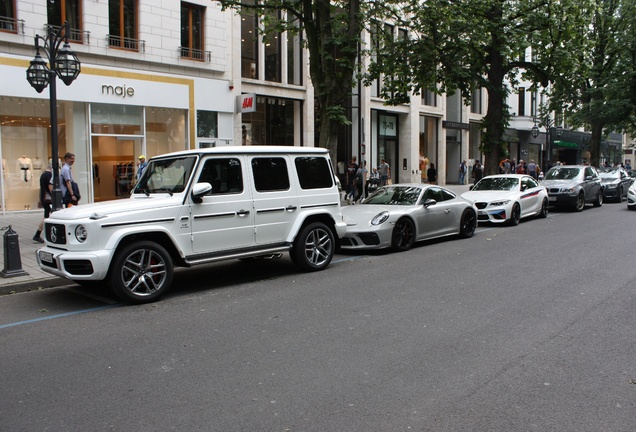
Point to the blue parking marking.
(95, 309)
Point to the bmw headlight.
(499, 203)
(80, 233)
(380, 218)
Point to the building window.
(533, 103)
(249, 43)
(122, 24)
(294, 56)
(8, 22)
(429, 98)
(522, 102)
(272, 41)
(61, 11)
(192, 46)
(475, 100)
(207, 124)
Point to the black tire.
(599, 199)
(468, 224)
(620, 195)
(403, 235)
(314, 247)
(515, 216)
(580, 203)
(141, 272)
(543, 213)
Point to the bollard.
(12, 260)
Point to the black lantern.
(63, 63)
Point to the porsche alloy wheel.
(403, 235)
(468, 224)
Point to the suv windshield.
(166, 175)
(497, 183)
(562, 173)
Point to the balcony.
(195, 54)
(11, 25)
(124, 43)
(74, 35)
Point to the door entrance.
(114, 166)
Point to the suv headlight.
(499, 203)
(380, 218)
(80, 233)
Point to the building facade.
(158, 77)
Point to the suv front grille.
(55, 233)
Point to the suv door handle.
(242, 213)
(291, 208)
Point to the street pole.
(62, 63)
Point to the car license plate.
(552, 198)
(46, 257)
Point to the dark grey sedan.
(616, 183)
(573, 186)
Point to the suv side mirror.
(200, 189)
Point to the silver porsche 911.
(397, 216)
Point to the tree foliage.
(333, 30)
(597, 88)
(457, 45)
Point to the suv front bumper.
(74, 265)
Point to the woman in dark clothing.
(431, 174)
(478, 171)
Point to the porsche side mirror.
(429, 202)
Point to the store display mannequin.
(25, 168)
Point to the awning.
(559, 143)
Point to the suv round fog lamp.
(81, 234)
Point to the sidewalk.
(24, 223)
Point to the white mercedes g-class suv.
(196, 207)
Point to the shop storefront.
(107, 118)
(270, 120)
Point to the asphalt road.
(526, 328)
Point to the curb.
(34, 285)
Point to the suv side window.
(223, 174)
(313, 172)
(270, 174)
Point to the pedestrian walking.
(46, 200)
(385, 172)
(352, 169)
(431, 174)
(478, 171)
(70, 191)
(462, 172)
(142, 165)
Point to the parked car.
(200, 206)
(508, 198)
(616, 183)
(573, 186)
(631, 197)
(397, 216)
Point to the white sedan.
(397, 216)
(508, 198)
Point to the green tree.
(332, 32)
(597, 88)
(457, 45)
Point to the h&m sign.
(246, 103)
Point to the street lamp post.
(63, 63)
(546, 122)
